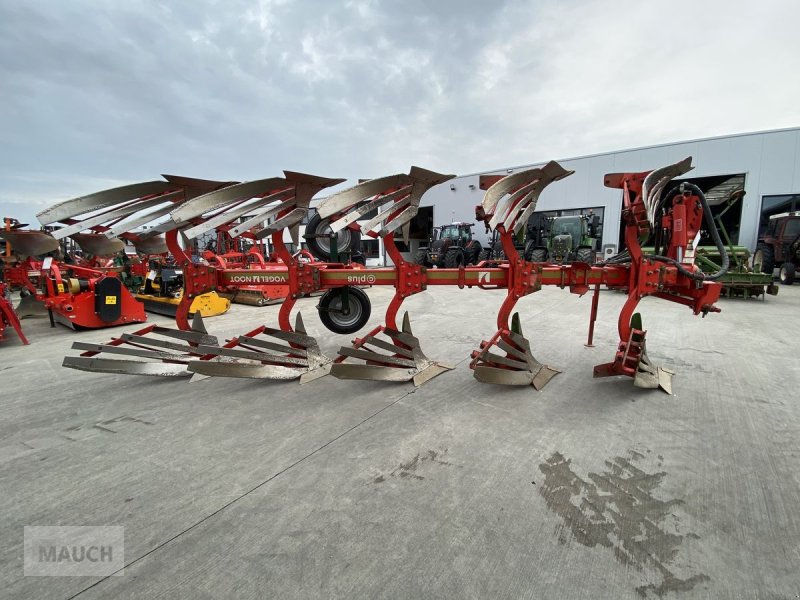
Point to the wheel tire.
(360, 309)
(585, 255)
(765, 258)
(474, 252)
(538, 255)
(347, 239)
(421, 257)
(787, 273)
(486, 254)
(529, 248)
(454, 258)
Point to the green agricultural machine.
(564, 240)
(740, 281)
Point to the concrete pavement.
(347, 489)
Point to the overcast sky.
(99, 93)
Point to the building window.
(370, 248)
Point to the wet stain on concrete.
(616, 509)
(408, 469)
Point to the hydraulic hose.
(712, 228)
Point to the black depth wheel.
(331, 315)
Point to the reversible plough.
(652, 208)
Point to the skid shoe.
(631, 359)
(517, 367)
(405, 361)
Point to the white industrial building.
(765, 164)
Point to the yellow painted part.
(210, 304)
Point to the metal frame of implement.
(393, 353)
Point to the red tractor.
(450, 246)
(779, 246)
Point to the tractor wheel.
(764, 259)
(454, 258)
(585, 255)
(330, 306)
(539, 255)
(787, 273)
(486, 254)
(347, 240)
(473, 253)
(421, 257)
(528, 252)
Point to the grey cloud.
(109, 91)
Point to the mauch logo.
(74, 551)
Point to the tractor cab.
(780, 247)
(455, 232)
(450, 246)
(566, 239)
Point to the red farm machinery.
(653, 208)
(72, 270)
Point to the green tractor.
(450, 246)
(564, 240)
